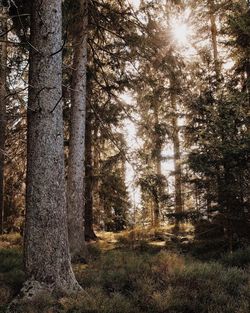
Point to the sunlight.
(180, 32)
(180, 28)
(135, 3)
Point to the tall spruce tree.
(3, 100)
(76, 164)
(47, 258)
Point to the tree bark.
(214, 34)
(97, 201)
(3, 65)
(177, 157)
(76, 168)
(89, 231)
(157, 160)
(177, 168)
(46, 253)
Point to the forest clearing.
(124, 156)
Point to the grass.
(11, 275)
(165, 282)
(128, 274)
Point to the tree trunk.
(157, 160)
(214, 34)
(177, 168)
(97, 201)
(177, 158)
(89, 231)
(3, 65)
(76, 168)
(46, 254)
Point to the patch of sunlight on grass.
(157, 243)
(12, 240)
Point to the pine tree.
(47, 258)
(76, 165)
(3, 100)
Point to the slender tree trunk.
(76, 168)
(214, 34)
(47, 258)
(177, 158)
(3, 65)
(225, 199)
(97, 201)
(217, 69)
(177, 168)
(157, 208)
(157, 160)
(89, 231)
(248, 78)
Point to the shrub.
(240, 258)
(206, 249)
(95, 300)
(120, 270)
(125, 281)
(207, 288)
(164, 283)
(136, 236)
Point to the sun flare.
(180, 32)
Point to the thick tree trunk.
(3, 65)
(89, 231)
(76, 167)
(47, 258)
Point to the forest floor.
(143, 271)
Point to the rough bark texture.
(47, 258)
(3, 65)
(76, 168)
(89, 231)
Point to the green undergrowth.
(142, 279)
(11, 275)
(166, 282)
